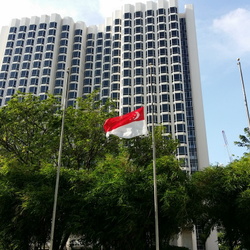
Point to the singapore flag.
(127, 126)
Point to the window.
(127, 15)
(165, 108)
(165, 98)
(51, 39)
(5, 67)
(166, 118)
(178, 97)
(149, 12)
(73, 86)
(115, 78)
(19, 43)
(139, 90)
(60, 74)
(127, 64)
(28, 49)
(74, 78)
(50, 47)
(59, 83)
(89, 58)
(38, 56)
(175, 50)
(34, 81)
(127, 73)
(105, 92)
(180, 117)
(127, 31)
(8, 52)
(39, 48)
(44, 89)
(138, 29)
(24, 73)
(139, 99)
(127, 23)
(35, 72)
(30, 42)
(65, 28)
(33, 90)
(126, 91)
(12, 75)
(42, 26)
(12, 83)
(47, 63)
(28, 57)
(3, 76)
(46, 71)
(26, 65)
(16, 58)
(23, 82)
(53, 25)
(31, 34)
(138, 14)
(52, 32)
(64, 42)
(61, 58)
(61, 66)
(41, 33)
(106, 75)
(180, 128)
(179, 107)
(72, 95)
(76, 54)
(21, 36)
(13, 29)
(18, 51)
(49, 55)
(6, 59)
(10, 92)
(22, 90)
(45, 80)
(77, 47)
(57, 91)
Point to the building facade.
(138, 46)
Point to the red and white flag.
(127, 126)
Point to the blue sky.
(223, 36)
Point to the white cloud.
(232, 31)
(79, 10)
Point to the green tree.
(106, 186)
(244, 139)
(29, 145)
(121, 204)
(221, 196)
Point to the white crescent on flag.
(127, 126)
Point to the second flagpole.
(64, 105)
(157, 243)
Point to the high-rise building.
(138, 46)
(141, 48)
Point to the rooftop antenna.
(226, 145)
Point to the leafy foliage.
(106, 186)
(221, 196)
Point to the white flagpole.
(244, 92)
(64, 104)
(157, 244)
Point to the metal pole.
(157, 245)
(59, 162)
(244, 92)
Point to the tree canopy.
(106, 186)
(221, 198)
